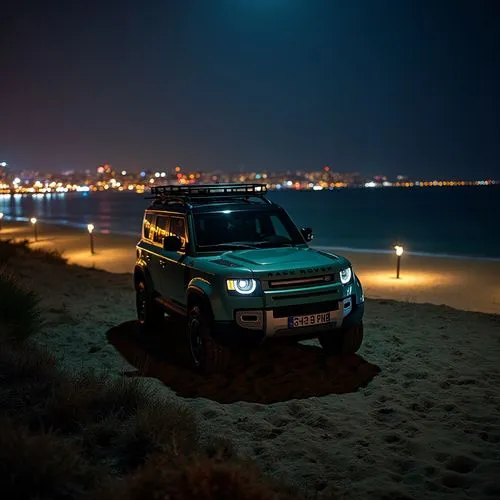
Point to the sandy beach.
(466, 284)
(415, 415)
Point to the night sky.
(375, 86)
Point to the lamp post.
(399, 251)
(90, 228)
(1, 217)
(35, 230)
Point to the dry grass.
(20, 314)
(198, 478)
(10, 249)
(43, 465)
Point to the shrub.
(52, 256)
(20, 315)
(42, 465)
(83, 398)
(18, 365)
(160, 427)
(198, 479)
(10, 249)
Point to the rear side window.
(148, 226)
(161, 229)
(178, 228)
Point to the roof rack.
(188, 194)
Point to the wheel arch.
(141, 273)
(197, 296)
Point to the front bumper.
(256, 325)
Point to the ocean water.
(456, 221)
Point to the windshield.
(245, 229)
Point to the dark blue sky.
(376, 86)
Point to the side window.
(148, 226)
(178, 228)
(161, 229)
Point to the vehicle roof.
(214, 207)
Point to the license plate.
(309, 320)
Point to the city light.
(1, 217)
(105, 178)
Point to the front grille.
(301, 282)
(302, 295)
(300, 309)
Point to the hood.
(286, 261)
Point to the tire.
(345, 342)
(208, 355)
(149, 312)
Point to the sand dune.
(415, 415)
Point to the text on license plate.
(308, 320)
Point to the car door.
(149, 249)
(173, 280)
(156, 263)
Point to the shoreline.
(327, 248)
(465, 284)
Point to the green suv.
(237, 268)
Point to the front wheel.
(208, 355)
(149, 312)
(344, 342)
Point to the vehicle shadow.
(277, 371)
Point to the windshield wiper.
(236, 245)
(274, 244)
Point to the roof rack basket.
(208, 191)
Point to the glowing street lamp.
(90, 228)
(35, 229)
(399, 251)
(1, 217)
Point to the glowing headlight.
(345, 275)
(242, 286)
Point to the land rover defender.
(236, 267)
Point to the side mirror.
(172, 243)
(307, 233)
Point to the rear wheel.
(344, 342)
(149, 312)
(208, 355)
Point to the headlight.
(242, 286)
(345, 275)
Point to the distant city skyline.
(377, 87)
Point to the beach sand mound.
(426, 426)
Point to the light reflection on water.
(108, 212)
(456, 221)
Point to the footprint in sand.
(461, 464)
